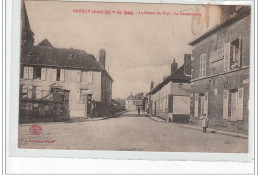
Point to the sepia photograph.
(134, 77)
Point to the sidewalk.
(83, 119)
(209, 130)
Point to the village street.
(128, 132)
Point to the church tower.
(27, 38)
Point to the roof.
(25, 21)
(45, 43)
(59, 57)
(177, 77)
(241, 13)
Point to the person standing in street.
(138, 110)
(204, 122)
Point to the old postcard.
(135, 77)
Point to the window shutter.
(78, 76)
(30, 73)
(225, 104)
(43, 74)
(226, 56)
(240, 52)
(30, 92)
(39, 93)
(89, 77)
(54, 74)
(62, 75)
(200, 66)
(196, 106)
(25, 73)
(204, 67)
(240, 104)
(206, 103)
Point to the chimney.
(187, 64)
(174, 66)
(102, 58)
(152, 85)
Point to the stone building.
(134, 101)
(44, 67)
(170, 99)
(220, 73)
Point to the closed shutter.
(206, 102)
(54, 75)
(30, 88)
(226, 56)
(240, 104)
(43, 74)
(201, 65)
(225, 104)
(30, 73)
(170, 103)
(62, 75)
(89, 77)
(240, 52)
(26, 73)
(204, 65)
(78, 76)
(196, 106)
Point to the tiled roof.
(177, 77)
(59, 57)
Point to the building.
(44, 67)
(220, 73)
(134, 101)
(170, 99)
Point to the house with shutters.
(44, 68)
(220, 73)
(133, 102)
(170, 99)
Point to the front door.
(233, 105)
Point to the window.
(202, 65)
(232, 55)
(58, 75)
(37, 73)
(28, 73)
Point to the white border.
(12, 85)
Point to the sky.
(139, 48)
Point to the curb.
(162, 120)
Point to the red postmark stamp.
(35, 129)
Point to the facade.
(220, 74)
(43, 68)
(134, 101)
(170, 99)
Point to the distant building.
(170, 99)
(44, 68)
(220, 73)
(134, 101)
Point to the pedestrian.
(204, 122)
(138, 110)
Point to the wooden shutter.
(240, 104)
(30, 73)
(204, 65)
(201, 66)
(43, 74)
(225, 104)
(196, 105)
(240, 52)
(54, 75)
(89, 77)
(26, 73)
(30, 88)
(226, 56)
(170, 103)
(62, 75)
(78, 73)
(206, 102)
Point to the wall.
(77, 108)
(216, 80)
(181, 105)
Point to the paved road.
(129, 132)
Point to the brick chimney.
(187, 64)
(102, 58)
(152, 85)
(174, 66)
